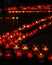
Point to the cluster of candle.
(27, 26)
(24, 50)
(17, 36)
(13, 39)
(30, 9)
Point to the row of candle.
(36, 11)
(29, 7)
(27, 26)
(16, 37)
(8, 18)
(29, 54)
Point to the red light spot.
(7, 46)
(1, 42)
(12, 8)
(20, 34)
(8, 55)
(19, 53)
(11, 43)
(27, 34)
(29, 55)
(50, 57)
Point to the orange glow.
(11, 36)
(35, 49)
(41, 55)
(19, 11)
(19, 38)
(23, 11)
(25, 48)
(45, 48)
(28, 26)
(13, 18)
(16, 47)
(19, 29)
(9, 12)
(16, 11)
(43, 19)
(40, 27)
(24, 26)
(23, 36)
(7, 33)
(17, 18)
(12, 11)
(36, 21)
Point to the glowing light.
(19, 53)
(7, 46)
(23, 11)
(11, 36)
(20, 34)
(23, 36)
(20, 29)
(35, 49)
(9, 12)
(8, 55)
(45, 48)
(16, 47)
(19, 38)
(16, 41)
(27, 34)
(36, 21)
(1, 42)
(11, 43)
(41, 55)
(12, 8)
(50, 57)
(13, 18)
(24, 26)
(40, 27)
(17, 18)
(28, 26)
(29, 55)
(24, 48)
(7, 33)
